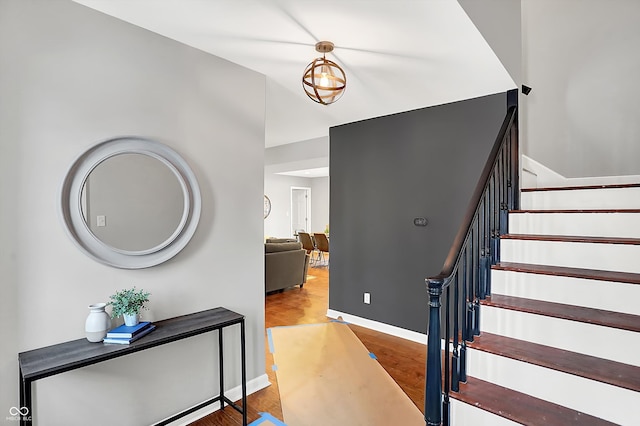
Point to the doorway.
(300, 209)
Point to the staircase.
(560, 333)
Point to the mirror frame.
(72, 213)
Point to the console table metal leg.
(244, 374)
(25, 401)
(221, 369)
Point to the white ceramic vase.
(130, 320)
(98, 323)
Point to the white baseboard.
(537, 175)
(379, 326)
(234, 394)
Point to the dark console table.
(51, 360)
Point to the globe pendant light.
(323, 80)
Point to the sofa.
(285, 265)
(281, 240)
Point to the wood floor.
(404, 360)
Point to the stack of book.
(124, 334)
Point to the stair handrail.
(436, 400)
(472, 209)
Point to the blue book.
(127, 340)
(128, 331)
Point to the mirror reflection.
(133, 202)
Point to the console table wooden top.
(50, 360)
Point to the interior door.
(300, 209)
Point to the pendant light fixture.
(323, 80)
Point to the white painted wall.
(319, 203)
(579, 56)
(309, 154)
(499, 23)
(71, 77)
(301, 155)
(536, 175)
(278, 189)
(580, 120)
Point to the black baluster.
(465, 328)
(483, 278)
(477, 285)
(455, 361)
(515, 161)
(465, 283)
(476, 317)
(509, 171)
(447, 358)
(475, 277)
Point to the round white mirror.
(133, 202)
(130, 202)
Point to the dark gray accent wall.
(384, 173)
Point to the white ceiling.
(307, 173)
(398, 55)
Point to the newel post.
(433, 391)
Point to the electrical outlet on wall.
(367, 298)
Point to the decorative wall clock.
(267, 206)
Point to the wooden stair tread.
(591, 274)
(581, 187)
(572, 239)
(519, 407)
(602, 370)
(569, 312)
(569, 211)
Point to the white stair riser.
(465, 414)
(571, 391)
(586, 224)
(613, 198)
(590, 339)
(606, 257)
(607, 295)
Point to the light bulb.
(324, 79)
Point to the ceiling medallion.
(323, 80)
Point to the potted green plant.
(128, 303)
